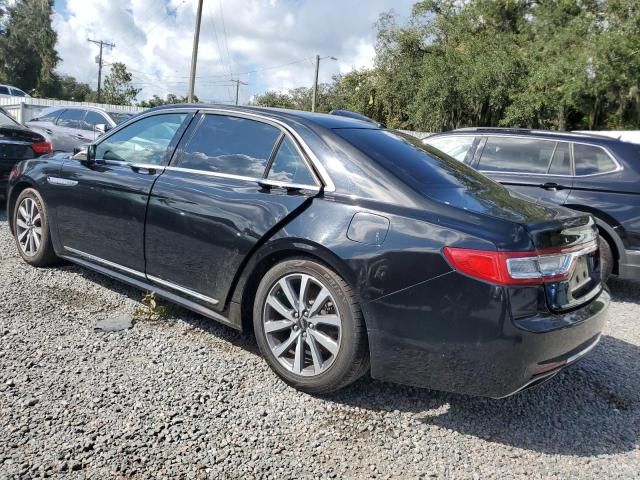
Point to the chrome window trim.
(184, 290)
(107, 263)
(231, 176)
(316, 164)
(571, 144)
(299, 141)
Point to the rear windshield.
(6, 119)
(420, 166)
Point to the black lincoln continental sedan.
(342, 246)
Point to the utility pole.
(238, 82)
(315, 83)
(101, 44)
(194, 54)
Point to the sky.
(268, 44)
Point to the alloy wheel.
(29, 227)
(302, 324)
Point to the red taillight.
(41, 147)
(518, 268)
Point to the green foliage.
(559, 64)
(117, 89)
(149, 310)
(171, 99)
(27, 45)
(66, 87)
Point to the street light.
(315, 84)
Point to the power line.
(215, 32)
(102, 44)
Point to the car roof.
(531, 133)
(322, 119)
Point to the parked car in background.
(67, 128)
(339, 244)
(589, 173)
(9, 91)
(17, 143)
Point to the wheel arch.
(606, 226)
(271, 254)
(16, 190)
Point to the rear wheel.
(606, 259)
(31, 229)
(309, 327)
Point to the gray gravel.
(186, 398)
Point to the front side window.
(230, 145)
(288, 166)
(506, 154)
(92, 119)
(590, 159)
(145, 141)
(4, 90)
(17, 92)
(457, 147)
(71, 118)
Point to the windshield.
(6, 119)
(120, 117)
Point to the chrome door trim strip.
(107, 263)
(64, 182)
(274, 183)
(184, 290)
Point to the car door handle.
(551, 186)
(49, 131)
(144, 169)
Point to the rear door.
(233, 180)
(538, 168)
(67, 133)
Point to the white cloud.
(154, 39)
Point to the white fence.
(24, 109)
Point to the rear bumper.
(630, 269)
(464, 344)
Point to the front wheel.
(31, 229)
(309, 327)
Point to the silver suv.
(67, 128)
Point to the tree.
(117, 89)
(66, 87)
(171, 99)
(27, 45)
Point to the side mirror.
(100, 128)
(81, 153)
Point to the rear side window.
(230, 145)
(4, 91)
(288, 166)
(71, 118)
(50, 116)
(458, 147)
(590, 159)
(17, 93)
(506, 154)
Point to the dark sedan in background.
(341, 245)
(589, 173)
(17, 143)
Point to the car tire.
(31, 229)
(606, 259)
(329, 349)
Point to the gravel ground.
(186, 398)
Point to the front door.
(101, 210)
(537, 168)
(215, 202)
